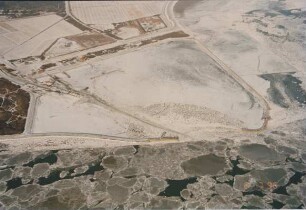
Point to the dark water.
(298, 13)
(250, 207)
(13, 183)
(294, 90)
(235, 169)
(295, 179)
(55, 175)
(136, 147)
(92, 169)
(276, 204)
(277, 97)
(176, 186)
(50, 158)
(254, 192)
(291, 86)
(281, 190)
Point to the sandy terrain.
(63, 46)
(127, 32)
(68, 114)
(31, 36)
(185, 94)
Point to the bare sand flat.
(174, 85)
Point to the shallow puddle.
(176, 186)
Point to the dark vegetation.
(14, 103)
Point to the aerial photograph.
(153, 104)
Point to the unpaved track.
(263, 103)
